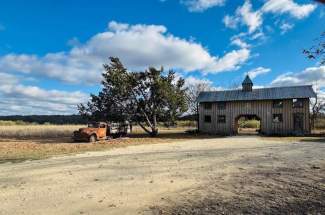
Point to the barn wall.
(262, 109)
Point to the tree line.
(47, 119)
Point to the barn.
(280, 110)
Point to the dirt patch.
(22, 143)
(18, 150)
(266, 191)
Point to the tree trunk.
(144, 128)
(314, 113)
(154, 132)
(313, 121)
(154, 129)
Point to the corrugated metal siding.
(258, 94)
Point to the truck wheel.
(92, 138)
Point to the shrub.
(186, 123)
(320, 123)
(248, 124)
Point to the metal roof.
(258, 94)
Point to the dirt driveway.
(208, 176)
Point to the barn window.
(208, 106)
(221, 105)
(278, 104)
(207, 118)
(221, 119)
(297, 103)
(277, 118)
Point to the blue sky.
(51, 52)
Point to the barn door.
(298, 123)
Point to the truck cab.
(93, 132)
(101, 131)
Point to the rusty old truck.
(96, 131)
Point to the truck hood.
(87, 130)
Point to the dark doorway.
(298, 123)
(248, 125)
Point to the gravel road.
(225, 175)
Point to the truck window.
(93, 125)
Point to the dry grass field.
(30, 142)
(29, 131)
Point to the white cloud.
(138, 46)
(204, 84)
(8, 79)
(239, 42)
(37, 94)
(16, 98)
(288, 6)
(285, 27)
(231, 21)
(258, 71)
(253, 19)
(311, 75)
(195, 81)
(245, 15)
(230, 62)
(258, 35)
(201, 5)
(62, 66)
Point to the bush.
(12, 123)
(186, 123)
(248, 124)
(320, 123)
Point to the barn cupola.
(247, 84)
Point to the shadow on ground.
(175, 135)
(16, 160)
(162, 136)
(318, 140)
(267, 191)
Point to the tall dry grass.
(37, 131)
(24, 130)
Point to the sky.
(52, 51)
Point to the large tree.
(146, 97)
